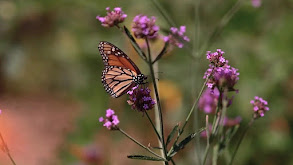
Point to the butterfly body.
(120, 73)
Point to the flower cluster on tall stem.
(220, 74)
(176, 36)
(260, 107)
(111, 121)
(144, 26)
(113, 18)
(140, 99)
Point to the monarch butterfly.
(120, 73)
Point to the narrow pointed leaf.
(171, 135)
(181, 145)
(163, 51)
(143, 157)
(134, 44)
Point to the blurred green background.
(51, 89)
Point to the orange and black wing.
(119, 71)
(113, 56)
(117, 80)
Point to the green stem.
(194, 105)
(7, 150)
(158, 100)
(163, 13)
(173, 162)
(138, 143)
(224, 21)
(154, 127)
(240, 140)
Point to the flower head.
(260, 106)
(140, 99)
(110, 121)
(222, 77)
(216, 58)
(176, 36)
(256, 3)
(112, 18)
(144, 26)
(209, 100)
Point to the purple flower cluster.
(209, 100)
(111, 121)
(145, 27)
(256, 3)
(176, 37)
(112, 18)
(140, 99)
(259, 106)
(216, 58)
(222, 77)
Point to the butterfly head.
(139, 79)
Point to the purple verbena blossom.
(222, 77)
(209, 100)
(113, 18)
(216, 58)
(260, 106)
(111, 121)
(176, 36)
(256, 3)
(140, 99)
(145, 27)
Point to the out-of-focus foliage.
(50, 46)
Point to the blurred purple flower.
(222, 77)
(176, 37)
(110, 121)
(256, 3)
(216, 58)
(112, 18)
(229, 122)
(260, 106)
(145, 27)
(209, 100)
(140, 99)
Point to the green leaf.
(172, 133)
(163, 51)
(134, 44)
(181, 145)
(143, 157)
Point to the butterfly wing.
(117, 80)
(117, 77)
(113, 56)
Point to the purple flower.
(110, 121)
(256, 3)
(145, 27)
(230, 122)
(209, 100)
(140, 99)
(222, 77)
(112, 18)
(260, 106)
(176, 37)
(216, 58)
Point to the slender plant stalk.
(158, 100)
(154, 127)
(194, 105)
(224, 21)
(208, 140)
(240, 140)
(138, 143)
(163, 13)
(6, 150)
(173, 162)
